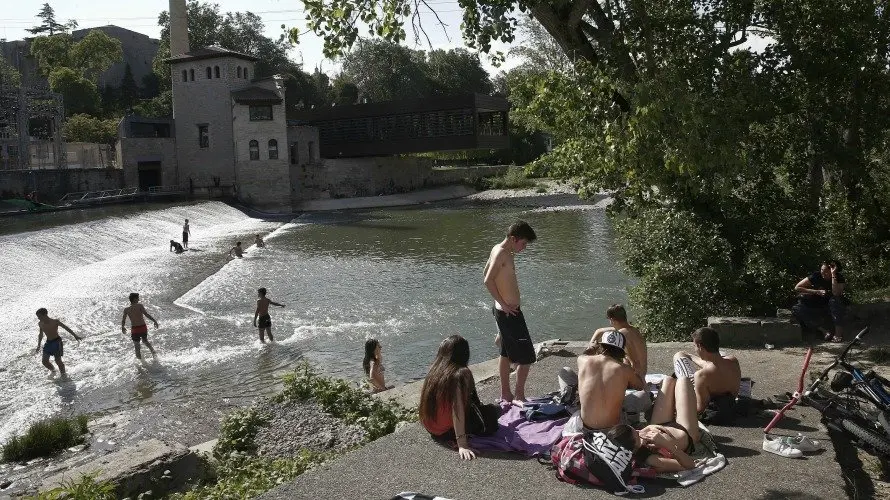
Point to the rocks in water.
(298, 425)
(5, 484)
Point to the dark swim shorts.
(139, 332)
(516, 343)
(52, 347)
(264, 321)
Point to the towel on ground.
(516, 434)
(707, 461)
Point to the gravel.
(297, 425)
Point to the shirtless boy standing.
(715, 376)
(500, 280)
(186, 232)
(603, 376)
(53, 346)
(138, 329)
(262, 312)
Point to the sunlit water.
(407, 277)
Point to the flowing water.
(408, 277)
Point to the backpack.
(568, 458)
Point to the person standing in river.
(53, 346)
(501, 282)
(262, 313)
(186, 232)
(138, 329)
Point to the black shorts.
(185, 238)
(264, 321)
(516, 343)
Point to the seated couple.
(665, 444)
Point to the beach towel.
(518, 435)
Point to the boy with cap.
(603, 377)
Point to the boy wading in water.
(500, 280)
(262, 313)
(138, 329)
(53, 346)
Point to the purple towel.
(516, 434)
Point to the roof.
(211, 52)
(478, 102)
(256, 95)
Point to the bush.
(238, 432)
(345, 401)
(515, 178)
(249, 477)
(46, 438)
(86, 488)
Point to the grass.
(85, 488)
(46, 438)
(515, 178)
(870, 296)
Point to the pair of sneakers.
(790, 446)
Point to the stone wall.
(352, 177)
(53, 184)
(131, 151)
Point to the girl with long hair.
(373, 365)
(449, 406)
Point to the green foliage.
(49, 24)
(249, 477)
(95, 53)
(86, 128)
(456, 71)
(385, 71)
(344, 401)
(79, 94)
(515, 178)
(160, 106)
(45, 438)
(85, 488)
(129, 90)
(8, 74)
(51, 52)
(238, 432)
(343, 91)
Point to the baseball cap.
(613, 338)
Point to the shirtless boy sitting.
(237, 251)
(637, 356)
(138, 329)
(717, 378)
(262, 313)
(603, 376)
(53, 346)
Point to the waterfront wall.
(53, 184)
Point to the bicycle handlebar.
(855, 341)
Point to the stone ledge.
(751, 331)
(149, 465)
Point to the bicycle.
(858, 404)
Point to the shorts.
(53, 348)
(516, 343)
(264, 321)
(139, 332)
(185, 238)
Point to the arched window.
(185, 75)
(273, 149)
(254, 150)
(191, 75)
(216, 71)
(209, 73)
(239, 71)
(245, 73)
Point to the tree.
(95, 53)
(80, 95)
(85, 128)
(51, 52)
(8, 74)
(160, 106)
(386, 71)
(344, 92)
(456, 71)
(129, 91)
(48, 16)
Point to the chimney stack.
(179, 33)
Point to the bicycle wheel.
(884, 420)
(879, 443)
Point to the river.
(408, 277)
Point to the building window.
(239, 71)
(260, 113)
(245, 73)
(311, 150)
(203, 136)
(209, 73)
(294, 154)
(273, 149)
(254, 150)
(191, 75)
(216, 71)
(185, 75)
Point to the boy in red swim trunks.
(138, 329)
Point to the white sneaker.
(802, 443)
(776, 446)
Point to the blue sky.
(141, 16)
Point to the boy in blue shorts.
(53, 346)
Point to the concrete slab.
(395, 200)
(149, 465)
(410, 460)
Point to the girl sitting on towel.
(373, 365)
(667, 443)
(449, 406)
